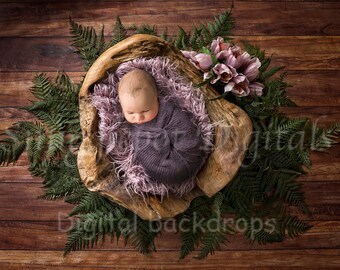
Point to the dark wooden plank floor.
(302, 35)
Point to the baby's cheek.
(128, 118)
(152, 115)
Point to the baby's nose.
(140, 117)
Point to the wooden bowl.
(232, 134)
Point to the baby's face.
(140, 108)
(138, 97)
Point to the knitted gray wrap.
(169, 147)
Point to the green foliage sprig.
(265, 188)
(201, 36)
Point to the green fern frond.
(164, 35)
(290, 189)
(324, 138)
(255, 51)
(181, 39)
(304, 158)
(91, 202)
(68, 88)
(194, 39)
(75, 198)
(147, 29)
(55, 145)
(271, 72)
(42, 87)
(85, 40)
(16, 139)
(333, 130)
(101, 41)
(89, 229)
(119, 33)
(203, 35)
(40, 168)
(61, 178)
(54, 122)
(213, 237)
(287, 128)
(222, 25)
(264, 237)
(41, 142)
(31, 149)
(142, 238)
(295, 227)
(218, 200)
(189, 237)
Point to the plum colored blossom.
(252, 70)
(189, 54)
(236, 69)
(224, 73)
(239, 86)
(256, 89)
(218, 45)
(202, 61)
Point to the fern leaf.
(41, 141)
(203, 35)
(290, 189)
(31, 149)
(181, 39)
(295, 226)
(101, 41)
(86, 42)
(142, 238)
(147, 29)
(325, 138)
(271, 72)
(39, 169)
(217, 202)
(55, 145)
(119, 32)
(164, 35)
(189, 237)
(255, 51)
(74, 240)
(213, 238)
(42, 87)
(91, 202)
(265, 237)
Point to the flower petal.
(203, 60)
(229, 87)
(256, 89)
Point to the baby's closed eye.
(140, 112)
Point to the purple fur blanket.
(114, 131)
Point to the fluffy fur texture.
(114, 130)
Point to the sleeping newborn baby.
(166, 143)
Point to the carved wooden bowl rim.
(232, 134)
